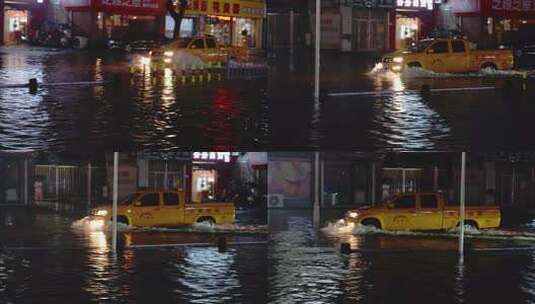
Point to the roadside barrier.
(204, 72)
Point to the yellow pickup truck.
(205, 47)
(448, 55)
(422, 211)
(159, 208)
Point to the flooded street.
(45, 257)
(307, 266)
(157, 111)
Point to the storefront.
(414, 20)
(105, 19)
(232, 22)
(494, 22)
(212, 175)
(20, 20)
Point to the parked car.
(423, 211)
(450, 55)
(159, 208)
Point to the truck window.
(151, 199)
(197, 44)
(405, 202)
(170, 199)
(440, 47)
(428, 201)
(210, 43)
(457, 46)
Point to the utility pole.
(461, 207)
(115, 197)
(317, 52)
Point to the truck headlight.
(101, 212)
(398, 59)
(168, 53)
(352, 214)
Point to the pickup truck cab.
(165, 208)
(422, 211)
(448, 55)
(205, 47)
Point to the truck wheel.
(372, 223)
(414, 65)
(489, 65)
(470, 224)
(206, 219)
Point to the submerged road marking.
(389, 92)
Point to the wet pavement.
(149, 111)
(306, 265)
(49, 257)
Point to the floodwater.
(156, 111)
(49, 257)
(306, 265)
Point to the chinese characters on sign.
(374, 3)
(513, 5)
(428, 4)
(212, 156)
(132, 3)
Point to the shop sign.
(234, 8)
(415, 4)
(151, 155)
(212, 156)
(513, 5)
(373, 3)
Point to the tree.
(177, 14)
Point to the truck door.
(401, 213)
(437, 55)
(172, 212)
(459, 58)
(429, 213)
(145, 208)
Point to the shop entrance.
(400, 180)
(203, 185)
(14, 182)
(16, 27)
(407, 31)
(370, 30)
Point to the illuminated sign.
(212, 156)
(418, 4)
(372, 3)
(513, 5)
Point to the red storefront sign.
(122, 7)
(494, 8)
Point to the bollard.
(209, 70)
(345, 248)
(524, 81)
(222, 244)
(32, 84)
(193, 72)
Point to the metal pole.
(403, 180)
(316, 211)
(461, 207)
(435, 178)
(57, 184)
(89, 182)
(317, 52)
(115, 197)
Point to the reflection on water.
(427, 269)
(151, 110)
